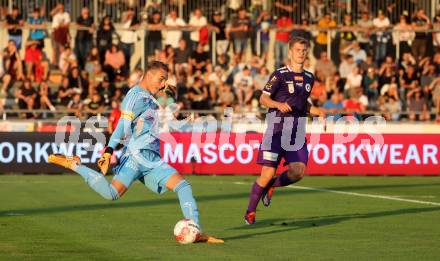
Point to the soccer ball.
(186, 231)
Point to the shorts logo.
(267, 155)
(308, 87)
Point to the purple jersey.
(284, 85)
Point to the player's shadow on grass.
(319, 221)
(122, 203)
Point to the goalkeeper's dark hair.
(300, 40)
(156, 65)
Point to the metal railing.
(299, 9)
(11, 114)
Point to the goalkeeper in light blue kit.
(138, 130)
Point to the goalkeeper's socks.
(187, 201)
(254, 197)
(97, 182)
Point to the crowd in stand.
(362, 74)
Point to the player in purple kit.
(286, 94)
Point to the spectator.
(226, 96)
(325, 66)
(37, 69)
(318, 95)
(316, 10)
(243, 85)
(421, 23)
(114, 61)
(172, 37)
(403, 36)
(104, 37)
(264, 21)
(154, 34)
(370, 84)
(347, 36)
(114, 116)
(67, 60)
(417, 105)
(78, 82)
(365, 26)
(167, 55)
(60, 34)
(284, 8)
(427, 72)
(333, 106)
(106, 90)
(391, 109)
(37, 24)
(45, 97)
(217, 77)
(4, 77)
(182, 55)
(346, 67)
(219, 27)
(354, 79)
(353, 105)
(84, 36)
(240, 31)
(197, 21)
(98, 75)
(92, 60)
(198, 95)
(382, 37)
(94, 107)
(65, 93)
(75, 105)
(199, 59)
(434, 87)
(282, 38)
(324, 24)
(14, 22)
(26, 96)
(128, 38)
(12, 62)
(410, 75)
(436, 33)
(354, 49)
(261, 79)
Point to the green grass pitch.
(59, 218)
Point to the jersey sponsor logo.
(267, 155)
(298, 78)
(308, 87)
(300, 84)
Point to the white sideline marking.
(357, 194)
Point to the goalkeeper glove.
(104, 161)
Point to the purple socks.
(282, 180)
(254, 197)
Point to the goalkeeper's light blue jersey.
(138, 127)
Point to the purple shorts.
(271, 156)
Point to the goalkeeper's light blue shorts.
(147, 167)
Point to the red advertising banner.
(329, 154)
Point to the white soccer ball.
(186, 231)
